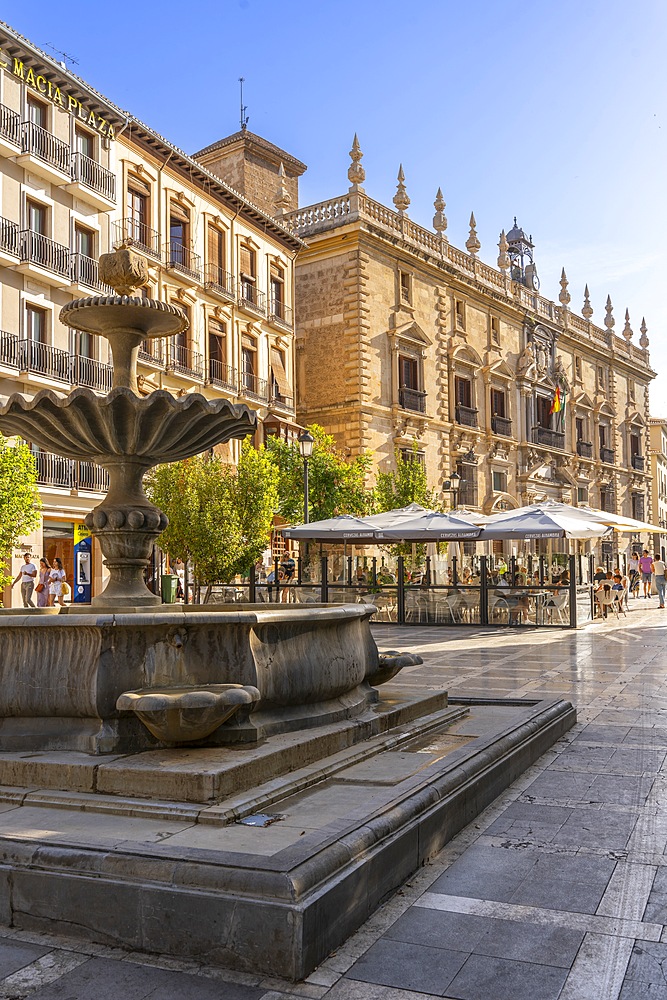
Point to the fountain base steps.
(265, 866)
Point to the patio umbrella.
(534, 522)
(433, 526)
(394, 518)
(618, 522)
(343, 528)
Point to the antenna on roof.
(244, 117)
(66, 56)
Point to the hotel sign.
(57, 95)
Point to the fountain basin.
(62, 675)
(188, 714)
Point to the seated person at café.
(618, 587)
(600, 574)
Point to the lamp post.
(453, 485)
(306, 442)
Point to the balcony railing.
(85, 271)
(466, 415)
(219, 281)
(251, 385)
(10, 125)
(131, 232)
(222, 375)
(280, 313)
(607, 456)
(53, 470)
(46, 253)
(186, 361)
(277, 398)
(501, 425)
(638, 462)
(9, 236)
(91, 373)
(182, 258)
(552, 439)
(44, 145)
(151, 351)
(9, 349)
(44, 360)
(585, 449)
(93, 175)
(251, 298)
(412, 399)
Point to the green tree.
(19, 500)
(220, 517)
(407, 484)
(336, 485)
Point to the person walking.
(42, 587)
(633, 572)
(646, 568)
(26, 575)
(658, 568)
(57, 578)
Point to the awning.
(279, 373)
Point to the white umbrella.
(343, 528)
(433, 526)
(394, 518)
(618, 522)
(531, 522)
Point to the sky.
(553, 111)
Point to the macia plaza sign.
(56, 95)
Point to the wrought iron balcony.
(40, 250)
(182, 258)
(85, 271)
(219, 282)
(91, 373)
(607, 456)
(552, 439)
(585, 449)
(466, 415)
(44, 360)
(638, 462)
(94, 176)
(222, 375)
(45, 146)
(251, 298)
(186, 361)
(256, 388)
(501, 425)
(412, 399)
(280, 313)
(9, 349)
(132, 233)
(10, 125)
(54, 470)
(278, 398)
(151, 352)
(9, 237)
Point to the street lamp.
(453, 485)
(306, 442)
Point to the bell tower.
(520, 250)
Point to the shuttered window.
(248, 263)
(216, 250)
(279, 373)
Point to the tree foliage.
(19, 500)
(407, 484)
(220, 517)
(336, 485)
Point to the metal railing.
(91, 373)
(131, 232)
(278, 398)
(46, 253)
(93, 175)
(251, 298)
(501, 425)
(279, 312)
(185, 360)
(9, 236)
(466, 415)
(151, 351)
(222, 375)
(10, 125)
(252, 385)
(607, 456)
(54, 470)
(584, 449)
(85, 271)
(219, 281)
(44, 359)
(412, 399)
(638, 462)
(36, 141)
(182, 258)
(544, 435)
(9, 349)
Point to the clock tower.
(520, 250)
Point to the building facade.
(78, 177)
(410, 347)
(658, 456)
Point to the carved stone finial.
(473, 246)
(564, 297)
(503, 256)
(643, 329)
(124, 270)
(440, 219)
(401, 200)
(587, 308)
(609, 320)
(355, 172)
(283, 197)
(627, 329)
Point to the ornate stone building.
(79, 176)
(658, 454)
(408, 345)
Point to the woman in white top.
(56, 580)
(659, 570)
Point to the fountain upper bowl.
(109, 314)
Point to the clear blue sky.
(550, 111)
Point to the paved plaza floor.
(558, 891)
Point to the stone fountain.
(124, 674)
